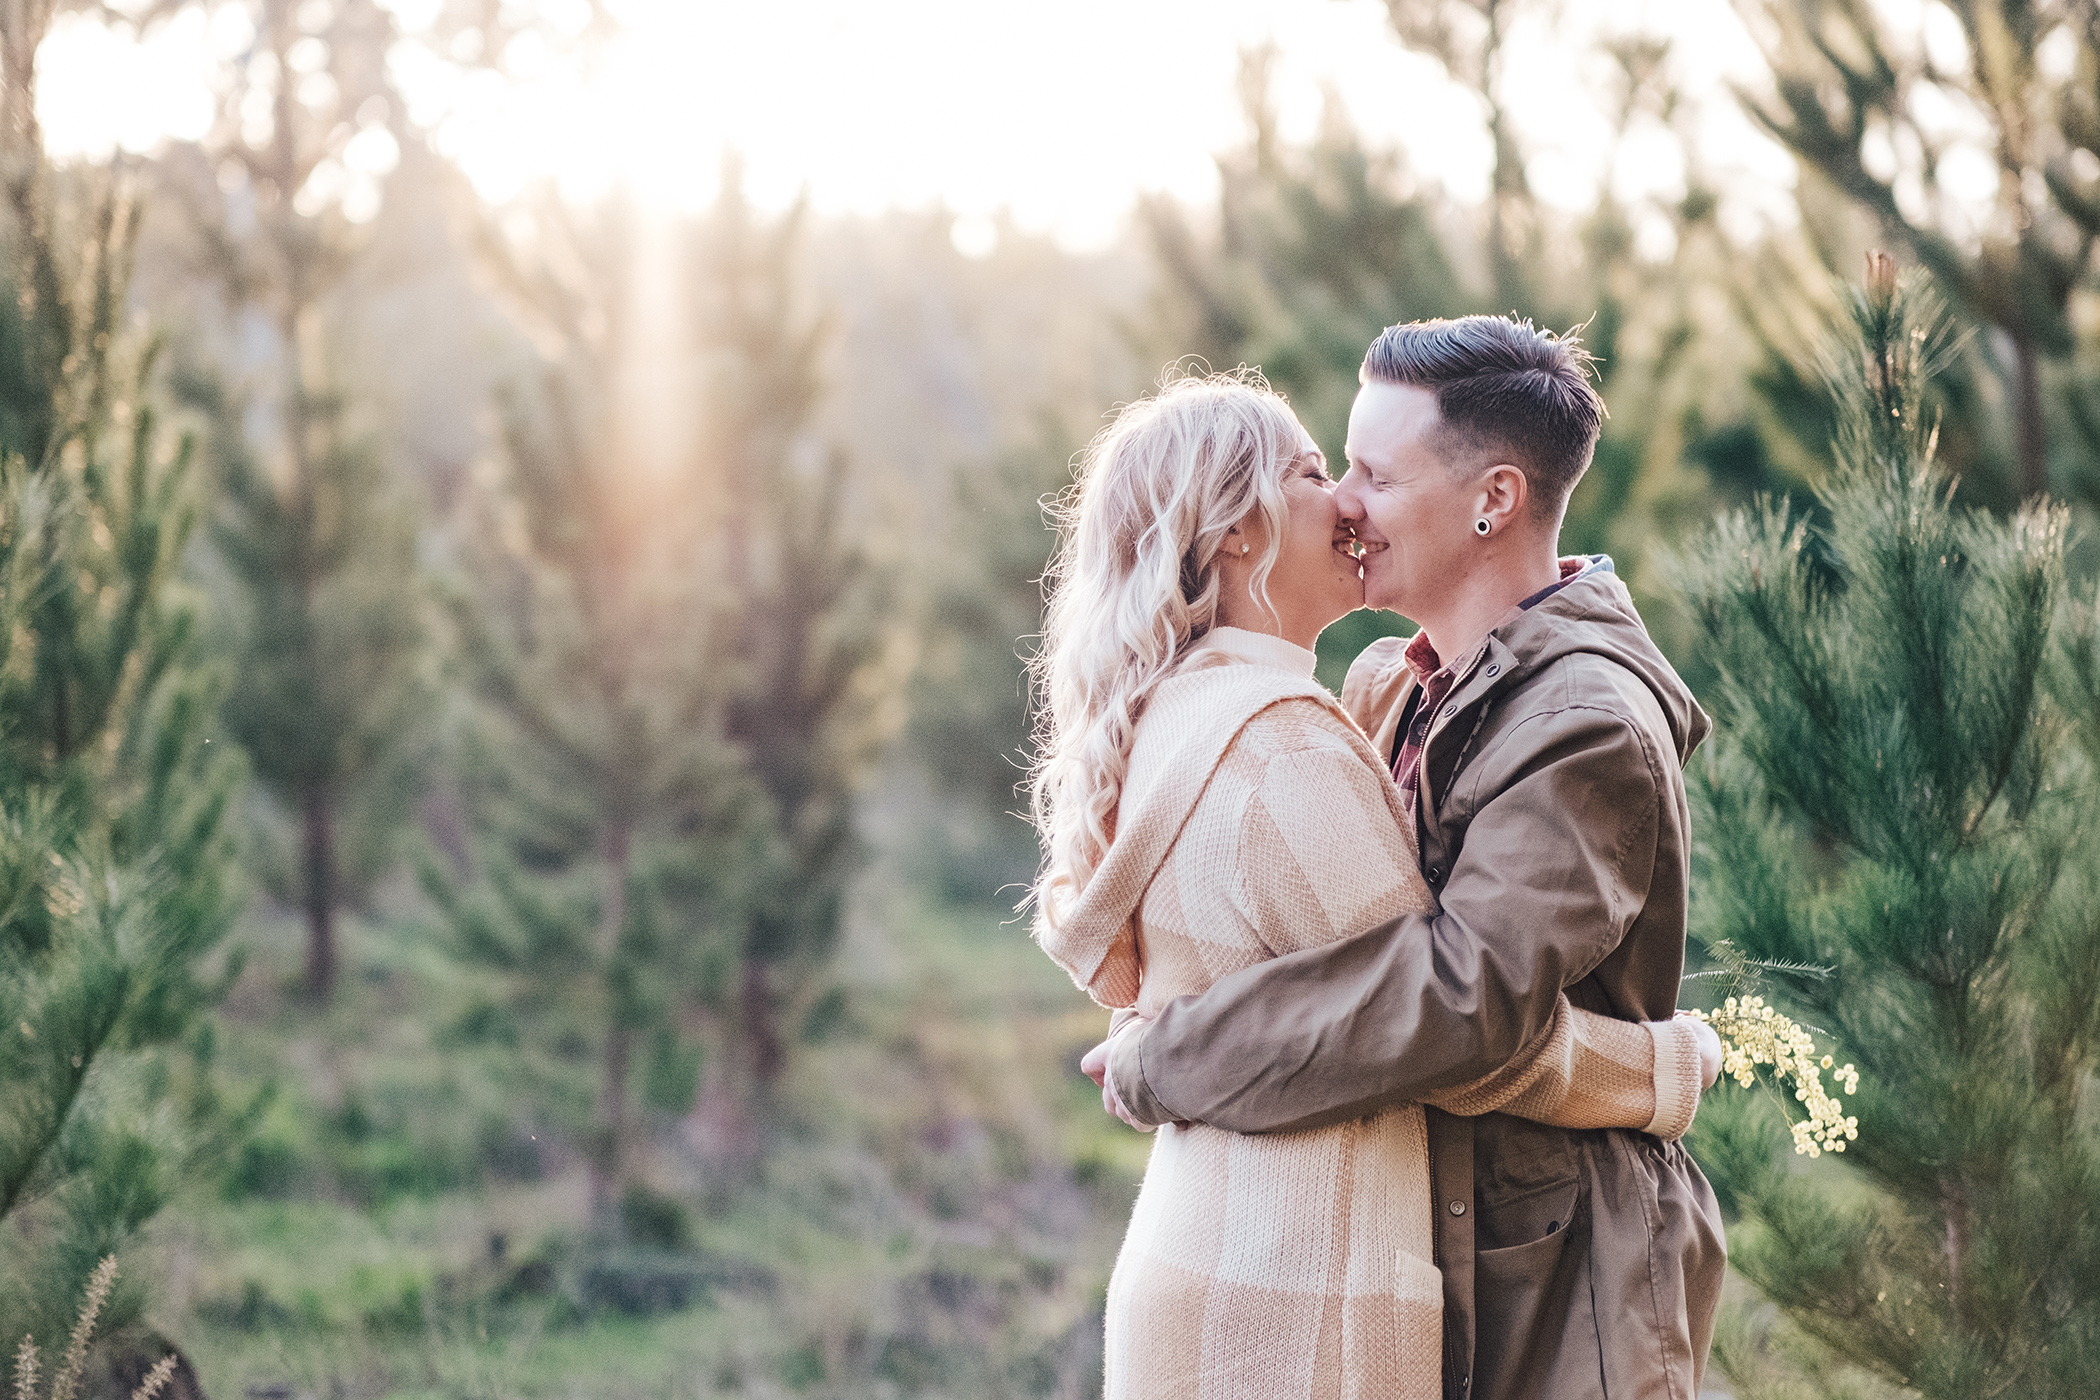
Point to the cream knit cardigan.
(1257, 819)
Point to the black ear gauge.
(1481, 526)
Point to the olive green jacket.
(1553, 829)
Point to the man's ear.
(1505, 494)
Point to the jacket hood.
(1592, 612)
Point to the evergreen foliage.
(326, 629)
(67, 1377)
(1864, 106)
(969, 720)
(1897, 794)
(115, 870)
(1318, 249)
(814, 642)
(682, 650)
(596, 776)
(317, 539)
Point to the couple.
(1396, 976)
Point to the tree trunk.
(606, 1161)
(762, 1044)
(319, 852)
(2033, 430)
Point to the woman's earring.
(1245, 548)
(1481, 526)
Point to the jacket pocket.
(1512, 1220)
(1536, 1336)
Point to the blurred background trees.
(620, 611)
(318, 545)
(1855, 101)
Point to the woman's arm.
(1592, 1071)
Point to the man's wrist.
(1126, 1073)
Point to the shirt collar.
(1259, 648)
(1421, 655)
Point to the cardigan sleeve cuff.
(1677, 1075)
(1126, 1071)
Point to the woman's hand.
(1094, 1065)
(1709, 1051)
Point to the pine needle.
(67, 1384)
(156, 1379)
(25, 1370)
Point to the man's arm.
(1555, 867)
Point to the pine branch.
(67, 1383)
(155, 1380)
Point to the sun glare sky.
(1055, 117)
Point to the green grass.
(936, 1213)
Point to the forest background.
(512, 706)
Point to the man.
(1542, 738)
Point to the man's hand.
(1094, 1065)
(1709, 1051)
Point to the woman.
(1204, 805)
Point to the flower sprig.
(1752, 1034)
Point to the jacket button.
(1493, 671)
(1450, 710)
(1436, 872)
(1458, 1207)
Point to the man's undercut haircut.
(1506, 391)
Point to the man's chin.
(1381, 595)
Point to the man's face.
(1412, 513)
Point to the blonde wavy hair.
(1133, 584)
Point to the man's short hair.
(1506, 391)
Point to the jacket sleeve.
(1592, 1071)
(1554, 868)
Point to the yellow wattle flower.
(1754, 1033)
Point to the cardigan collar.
(1260, 648)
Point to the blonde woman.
(1204, 805)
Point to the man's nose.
(1348, 501)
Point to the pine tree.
(1467, 37)
(1897, 794)
(1857, 101)
(1317, 250)
(680, 647)
(814, 639)
(114, 867)
(327, 633)
(597, 779)
(316, 533)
